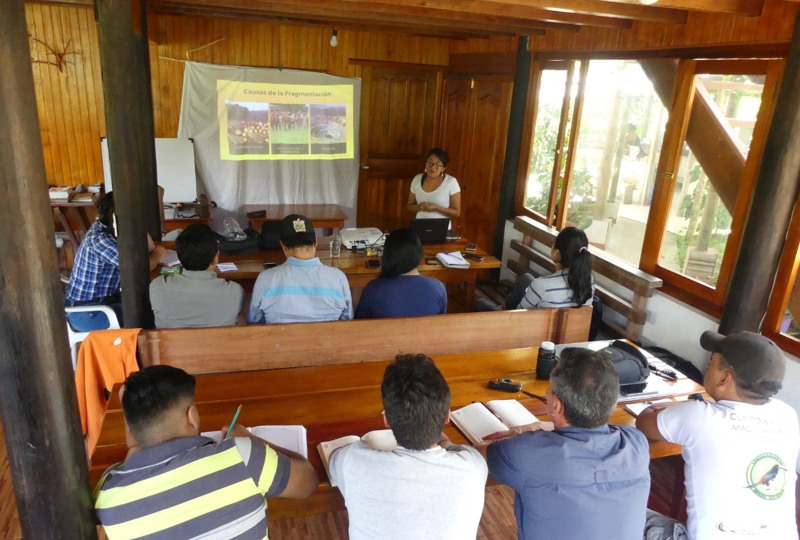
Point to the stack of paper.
(452, 260)
(61, 193)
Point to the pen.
(233, 422)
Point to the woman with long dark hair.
(401, 291)
(571, 285)
(435, 194)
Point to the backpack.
(631, 366)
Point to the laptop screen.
(431, 230)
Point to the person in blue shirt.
(94, 279)
(400, 291)
(577, 477)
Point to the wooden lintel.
(739, 7)
(476, 63)
(769, 49)
(633, 10)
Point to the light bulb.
(334, 38)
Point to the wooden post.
(516, 123)
(771, 209)
(37, 396)
(122, 29)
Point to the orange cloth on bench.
(105, 357)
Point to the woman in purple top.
(400, 291)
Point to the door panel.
(397, 125)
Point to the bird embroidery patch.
(766, 476)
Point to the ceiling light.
(648, 2)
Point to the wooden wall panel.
(70, 103)
(701, 28)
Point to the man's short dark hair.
(105, 209)
(151, 392)
(196, 246)
(416, 400)
(588, 386)
(402, 252)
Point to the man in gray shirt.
(427, 487)
(196, 297)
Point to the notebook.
(431, 230)
(478, 420)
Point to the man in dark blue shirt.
(580, 477)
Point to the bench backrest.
(243, 348)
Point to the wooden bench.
(641, 284)
(275, 346)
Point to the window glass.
(703, 199)
(543, 152)
(619, 142)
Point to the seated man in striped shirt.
(302, 289)
(177, 484)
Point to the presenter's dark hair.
(439, 153)
(105, 210)
(573, 245)
(588, 386)
(402, 252)
(151, 392)
(416, 400)
(196, 246)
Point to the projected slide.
(284, 121)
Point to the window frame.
(703, 296)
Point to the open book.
(382, 439)
(477, 420)
(452, 260)
(291, 438)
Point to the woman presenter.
(435, 194)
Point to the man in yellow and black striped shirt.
(177, 484)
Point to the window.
(782, 323)
(654, 162)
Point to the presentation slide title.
(282, 93)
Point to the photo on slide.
(289, 128)
(248, 127)
(329, 128)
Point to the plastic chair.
(75, 337)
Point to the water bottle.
(546, 360)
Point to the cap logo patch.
(299, 225)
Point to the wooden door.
(398, 110)
(474, 129)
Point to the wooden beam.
(442, 9)
(770, 212)
(38, 405)
(739, 7)
(342, 13)
(634, 10)
(770, 49)
(122, 28)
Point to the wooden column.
(122, 29)
(516, 124)
(37, 396)
(768, 219)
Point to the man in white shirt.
(427, 487)
(741, 450)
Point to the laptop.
(431, 230)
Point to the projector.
(361, 237)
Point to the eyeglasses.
(433, 164)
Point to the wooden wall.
(70, 102)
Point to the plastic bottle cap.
(548, 346)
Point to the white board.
(174, 165)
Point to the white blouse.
(439, 196)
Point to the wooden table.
(354, 265)
(344, 399)
(324, 216)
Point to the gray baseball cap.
(755, 359)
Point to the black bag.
(270, 235)
(631, 366)
(249, 245)
(679, 363)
